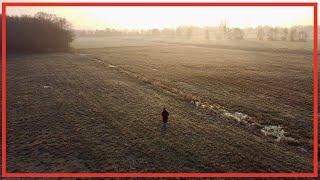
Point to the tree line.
(39, 33)
(188, 32)
(295, 33)
(223, 31)
(46, 32)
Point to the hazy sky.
(159, 17)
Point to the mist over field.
(240, 99)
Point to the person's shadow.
(164, 129)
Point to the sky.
(92, 18)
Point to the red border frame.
(226, 175)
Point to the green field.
(98, 108)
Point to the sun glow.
(159, 17)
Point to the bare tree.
(260, 33)
(224, 29)
(271, 34)
(302, 36)
(293, 33)
(285, 34)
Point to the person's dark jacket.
(165, 115)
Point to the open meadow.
(235, 106)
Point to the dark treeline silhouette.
(39, 33)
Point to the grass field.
(240, 108)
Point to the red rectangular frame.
(172, 175)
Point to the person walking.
(165, 115)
